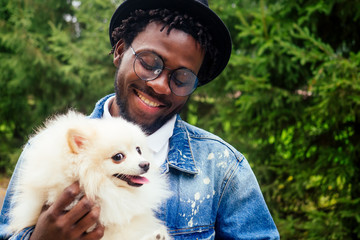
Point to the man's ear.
(76, 140)
(119, 51)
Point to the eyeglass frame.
(171, 72)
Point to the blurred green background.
(289, 98)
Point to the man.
(163, 50)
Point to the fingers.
(89, 219)
(66, 198)
(83, 216)
(56, 223)
(97, 233)
(80, 210)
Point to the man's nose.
(161, 84)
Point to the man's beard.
(124, 112)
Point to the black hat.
(195, 8)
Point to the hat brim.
(218, 30)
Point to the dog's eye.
(118, 157)
(138, 150)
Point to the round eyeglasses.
(148, 66)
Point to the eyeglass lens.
(148, 66)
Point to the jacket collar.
(180, 155)
(99, 107)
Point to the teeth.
(147, 101)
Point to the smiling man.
(151, 103)
(163, 50)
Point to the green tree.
(290, 100)
(54, 56)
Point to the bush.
(290, 100)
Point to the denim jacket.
(215, 192)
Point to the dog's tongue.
(139, 179)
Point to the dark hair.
(139, 19)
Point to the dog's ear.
(76, 140)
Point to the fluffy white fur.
(73, 148)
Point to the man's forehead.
(157, 29)
(189, 52)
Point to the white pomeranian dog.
(110, 160)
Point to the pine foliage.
(54, 56)
(290, 100)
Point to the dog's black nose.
(144, 165)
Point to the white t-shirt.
(158, 142)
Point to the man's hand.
(56, 223)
